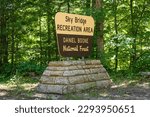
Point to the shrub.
(29, 68)
(143, 62)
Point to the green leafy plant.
(29, 69)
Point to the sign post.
(74, 34)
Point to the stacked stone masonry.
(72, 76)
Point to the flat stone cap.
(69, 63)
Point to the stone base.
(72, 76)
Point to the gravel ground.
(124, 91)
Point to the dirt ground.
(123, 91)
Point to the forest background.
(28, 36)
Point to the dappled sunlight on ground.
(28, 86)
(127, 90)
(144, 85)
(3, 93)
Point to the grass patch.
(19, 87)
(71, 96)
(23, 80)
(126, 76)
(17, 91)
(17, 79)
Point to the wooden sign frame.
(74, 34)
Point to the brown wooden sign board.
(74, 34)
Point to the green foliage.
(28, 37)
(6, 69)
(123, 76)
(23, 68)
(143, 62)
(24, 72)
(29, 68)
(124, 47)
(19, 79)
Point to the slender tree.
(68, 6)
(3, 36)
(48, 29)
(100, 27)
(116, 32)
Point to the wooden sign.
(74, 34)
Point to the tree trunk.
(4, 43)
(116, 31)
(100, 27)
(48, 30)
(40, 36)
(68, 6)
(12, 47)
(133, 53)
(54, 33)
(88, 2)
(1, 33)
(0, 51)
(12, 39)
